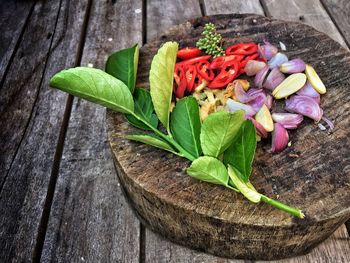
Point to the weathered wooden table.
(60, 199)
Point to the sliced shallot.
(288, 120)
(274, 78)
(277, 60)
(267, 51)
(304, 105)
(260, 77)
(280, 138)
(296, 65)
(253, 66)
(259, 128)
(308, 90)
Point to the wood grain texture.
(13, 19)
(310, 12)
(340, 13)
(232, 7)
(164, 14)
(334, 249)
(203, 216)
(90, 220)
(25, 188)
(21, 87)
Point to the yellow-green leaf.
(161, 81)
(96, 86)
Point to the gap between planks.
(60, 144)
(19, 40)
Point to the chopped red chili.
(242, 49)
(188, 52)
(226, 75)
(204, 71)
(218, 62)
(193, 60)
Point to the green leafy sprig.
(222, 135)
(211, 41)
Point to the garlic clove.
(290, 85)
(264, 118)
(315, 80)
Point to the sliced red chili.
(218, 62)
(193, 60)
(226, 75)
(242, 49)
(181, 87)
(190, 75)
(204, 71)
(188, 52)
(247, 58)
(179, 71)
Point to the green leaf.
(241, 152)
(123, 65)
(153, 140)
(186, 125)
(144, 109)
(209, 169)
(218, 131)
(96, 86)
(161, 78)
(250, 194)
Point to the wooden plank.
(14, 16)
(228, 7)
(159, 249)
(163, 14)
(21, 87)
(334, 249)
(309, 12)
(339, 12)
(23, 194)
(90, 219)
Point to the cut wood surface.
(90, 220)
(177, 199)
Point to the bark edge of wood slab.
(312, 175)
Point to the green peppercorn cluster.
(210, 41)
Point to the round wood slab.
(313, 174)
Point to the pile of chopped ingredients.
(216, 118)
(213, 81)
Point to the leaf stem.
(291, 210)
(168, 138)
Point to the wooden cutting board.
(313, 174)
